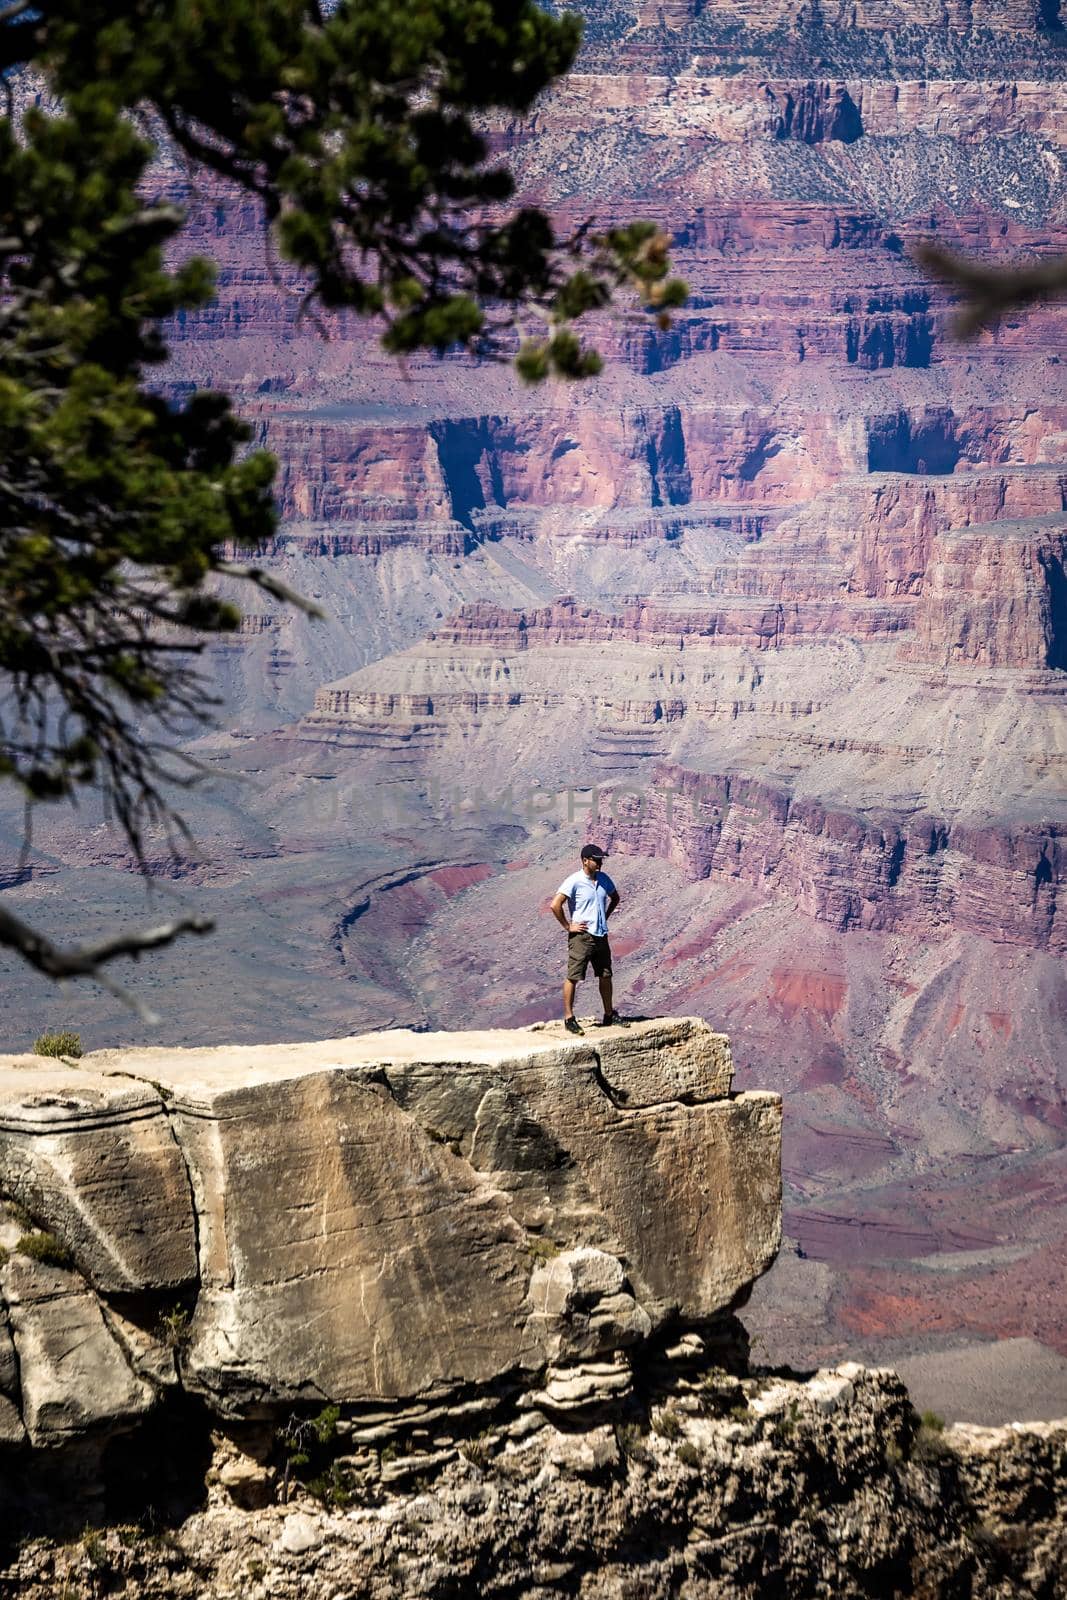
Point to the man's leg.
(605, 994)
(569, 987)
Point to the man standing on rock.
(582, 905)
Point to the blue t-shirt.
(587, 900)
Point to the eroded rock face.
(73, 1373)
(372, 1219)
(713, 1484)
(11, 1429)
(94, 1153)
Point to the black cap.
(592, 850)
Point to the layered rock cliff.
(371, 1221)
(711, 1483)
(416, 1314)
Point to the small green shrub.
(928, 1444)
(96, 1551)
(4, 1256)
(479, 1450)
(786, 1424)
(173, 1328)
(58, 1044)
(688, 1454)
(18, 1213)
(324, 1425)
(306, 1443)
(720, 1394)
(784, 1428)
(257, 1569)
(46, 1248)
(542, 1249)
(667, 1423)
(333, 1488)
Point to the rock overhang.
(369, 1219)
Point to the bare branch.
(270, 585)
(991, 291)
(87, 960)
(219, 158)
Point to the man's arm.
(612, 903)
(562, 917)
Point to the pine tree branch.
(991, 291)
(270, 585)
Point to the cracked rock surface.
(383, 1218)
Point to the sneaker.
(571, 1025)
(614, 1021)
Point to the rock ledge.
(389, 1221)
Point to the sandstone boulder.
(383, 1219)
(582, 1303)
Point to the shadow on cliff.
(151, 1478)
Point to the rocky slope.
(711, 1483)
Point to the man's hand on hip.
(577, 927)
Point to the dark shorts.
(584, 950)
